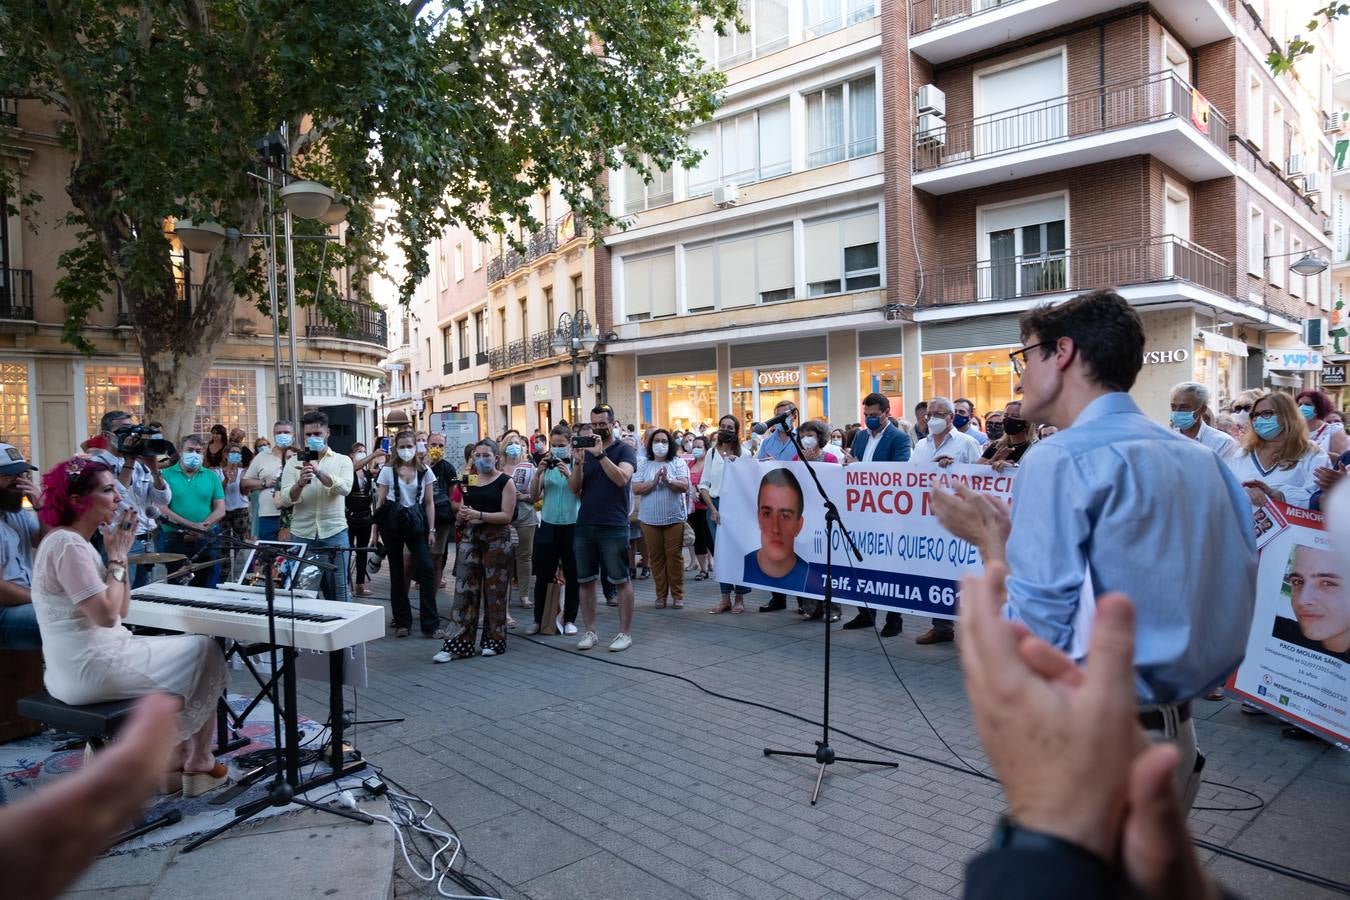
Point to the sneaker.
(620, 643)
(559, 627)
(488, 651)
(510, 622)
(569, 628)
(442, 656)
(532, 628)
(588, 640)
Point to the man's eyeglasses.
(1242, 407)
(1019, 357)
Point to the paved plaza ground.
(569, 777)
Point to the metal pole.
(272, 290)
(296, 392)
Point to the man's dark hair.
(1106, 333)
(966, 401)
(604, 408)
(783, 478)
(878, 400)
(920, 407)
(562, 429)
(314, 417)
(111, 418)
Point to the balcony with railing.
(356, 321)
(1156, 259)
(943, 30)
(539, 244)
(1158, 115)
(16, 294)
(535, 348)
(9, 112)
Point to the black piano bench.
(96, 722)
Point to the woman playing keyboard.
(80, 603)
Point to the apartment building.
(888, 187)
(52, 397)
(1337, 360)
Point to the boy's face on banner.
(1320, 596)
(780, 521)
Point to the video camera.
(132, 441)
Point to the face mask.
(960, 421)
(559, 453)
(1268, 429)
(810, 443)
(873, 423)
(513, 450)
(698, 452)
(1242, 418)
(234, 459)
(421, 446)
(936, 425)
(601, 431)
(284, 440)
(688, 445)
(314, 444)
(726, 436)
(1014, 425)
(157, 436)
(1309, 412)
(191, 459)
(261, 448)
(995, 430)
(837, 444)
(540, 446)
(406, 453)
(482, 464)
(660, 450)
(1181, 420)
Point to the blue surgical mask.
(959, 422)
(560, 453)
(314, 443)
(872, 422)
(482, 464)
(1268, 429)
(234, 459)
(1182, 419)
(513, 450)
(191, 459)
(1309, 412)
(284, 440)
(698, 452)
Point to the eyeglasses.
(1242, 407)
(1019, 357)
(1264, 414)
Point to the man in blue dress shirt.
(1117, 502)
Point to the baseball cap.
(12, 461)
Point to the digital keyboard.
(306, 624)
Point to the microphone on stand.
(784, 419)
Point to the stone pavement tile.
(129, 892)
(463, 801)
(522, 845)
(797, 886)
(139, 867)
(1288, 840)
(1250, 882)
(600, 875)
(756, 889)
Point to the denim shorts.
(601, 548)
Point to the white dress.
(87, 663)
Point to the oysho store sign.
(1294, 360)
(780, 378)
(1162, 357)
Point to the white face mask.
(421, 446)
(836, 443)
(1242, 418)
(406, 453)
(936, 425)
(809, 442)
(659, 450)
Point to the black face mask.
(726, 436)
(601, 431)
(1012, 425)
(995, 430)
(11, 500)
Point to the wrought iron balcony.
(357, 322)
(540, 243)
(1159, 97)
(926, 14)
(535, 348)
(1162, 258)
(16, 294)
(495, 270)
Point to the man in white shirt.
(944, 445)
(964, 412)
(264, 475)
(1190, 402)
(315, 485)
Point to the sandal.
(678, 604)
(739, 605)
(197, 783)
(723, 605)
(660, 604)
(701, 576)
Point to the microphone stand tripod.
(824, 754)
(282, 789)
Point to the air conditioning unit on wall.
(1311, 184)
(726, 194)
(931, 100)
(931, 130)
(1294, 165)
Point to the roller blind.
(822, 252)
(775, 140)
(736, 272)
(860, 230)
(663, 285)
(774, 261)
(703, 176)
(700, 277)
(637, 287)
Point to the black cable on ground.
(967, 769)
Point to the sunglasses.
(1242, 407)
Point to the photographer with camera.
(553, 541)
(134, 459)
(314, 486)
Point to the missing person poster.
(773, 533)
(1297, 665)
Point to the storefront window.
(755, 392)
(14, 427)
(882, 376)
(112, 387)
(1221, 373)
(678, 401)
(227, 396)
(985, 377)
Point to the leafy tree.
(1283, 59)
(458, 112)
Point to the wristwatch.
(117, 571)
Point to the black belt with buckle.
(1154, 719)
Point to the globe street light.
(574, 336)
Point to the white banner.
(773, 532)
(1298, 652)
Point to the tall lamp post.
(574, 336)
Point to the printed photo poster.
(282, 569)
(1297, 665)
(772, 533)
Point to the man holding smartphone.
(315, 484)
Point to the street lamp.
(573, 336)
(1308, 264)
